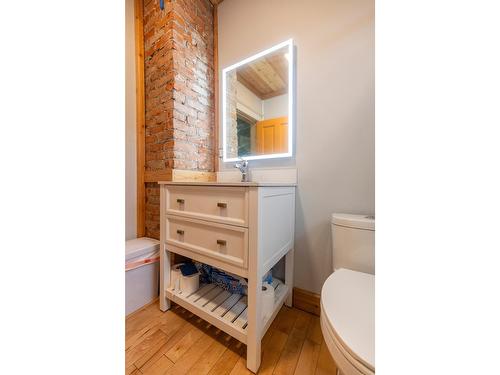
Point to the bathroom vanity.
(241, 228)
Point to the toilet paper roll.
(175, 277)
(190, 284)
(267, 300)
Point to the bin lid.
(140, 246)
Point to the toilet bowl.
(348, 320)
(348, 295)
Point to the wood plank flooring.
(178, 342)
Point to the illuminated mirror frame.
(291, 66)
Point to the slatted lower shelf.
(223, 309)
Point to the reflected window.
(244, 144)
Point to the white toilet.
(348, 295)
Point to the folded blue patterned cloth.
(227, 281)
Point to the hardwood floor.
(178, 342)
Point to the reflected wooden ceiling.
(266, 77)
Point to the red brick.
(179, 87)
(178, 95)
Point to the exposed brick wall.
(152, 219)
(179, 87)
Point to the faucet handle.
(241, 163)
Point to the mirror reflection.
(257, 106)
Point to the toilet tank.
(353, 239)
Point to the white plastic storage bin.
(142, 266)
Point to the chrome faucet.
(242, 165)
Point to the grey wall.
(130, 122)
(335, 109)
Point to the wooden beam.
(186, 175)
(265, 71)
(266, 77)
(179, 175)
(307, 301)
(282, 91)
(216, 90)
(155, 176)
(241, 77)
(140, 116)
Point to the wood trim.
(179, 175)
(155, 176)
(140, 116)
(307, 301)
(186, 175)
(275, 93)
(216, 89)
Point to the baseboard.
(307, 301)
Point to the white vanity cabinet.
(242, 228)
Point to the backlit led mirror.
(257, 104)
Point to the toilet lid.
(348, 299)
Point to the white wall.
(248, 102)
(130, 122)
(335, 109)
(276, 106)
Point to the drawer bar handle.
(180, 231)
(221, 242)
(181, 201)
(222, 205)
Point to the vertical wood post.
(140, 115)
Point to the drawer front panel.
(224, 243)
(221, 204)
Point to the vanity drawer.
(223, 243)
(221, 204)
